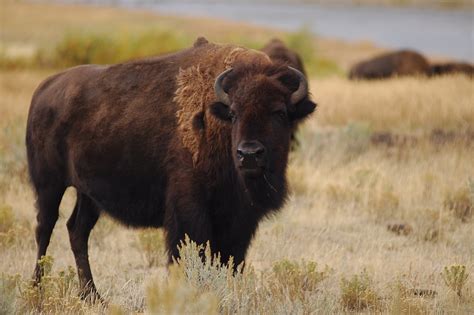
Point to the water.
(441, 32)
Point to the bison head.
(263, 105)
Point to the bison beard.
(154, 143)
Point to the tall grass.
(404, 105)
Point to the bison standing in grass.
(399, 63)
(195, 142)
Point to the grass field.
(380, 217)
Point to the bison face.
(263, 106)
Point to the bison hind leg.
(80, 224)
(48, 200)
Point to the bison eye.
(280, 114)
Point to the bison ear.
(305, 106)
(221, 111)
(302, 109)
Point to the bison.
(398, 63)
(279, 52)
(195, 142)
(451, 68)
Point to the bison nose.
(251, 154)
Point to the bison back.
(400, 63)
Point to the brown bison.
(399, 63)
(195, 142)
(451, 68)
(279, 52)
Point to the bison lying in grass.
(452, 68)
(195, 142)
(398, 63)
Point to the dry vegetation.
(380, 217)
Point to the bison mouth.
(250, 167)
(252, 172)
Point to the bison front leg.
(235, 248)
(235, 240)
(186, 215)
(80, 224)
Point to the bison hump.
(200, 41)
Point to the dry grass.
(348, 183)
(404, 105)
(345, 190)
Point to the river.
(432, 31)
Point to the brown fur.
(451, 68)
(149, 143)
(280, 53)
(195, 91)
(398, 63)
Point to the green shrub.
(56, 293)
(288, 287)
(404, 301)
(85, 48)
(296, 278)
(455, 277)
(303, 43)
(178, 296)
(357, 293)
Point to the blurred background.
(380, 214)
(34, 35)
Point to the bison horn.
(222, 96)
(302, 90)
